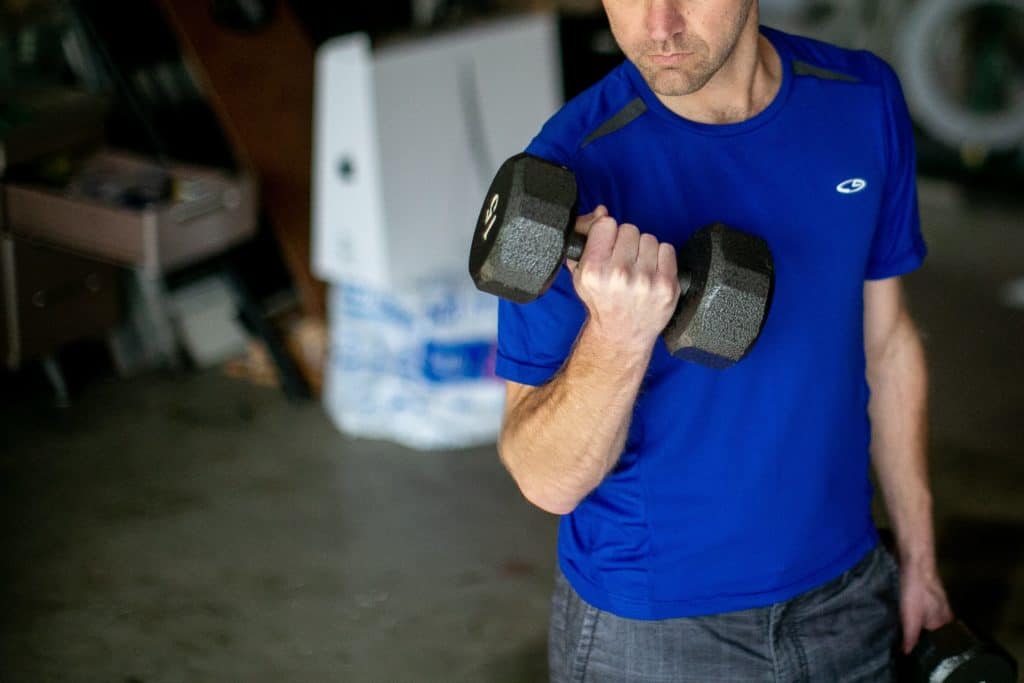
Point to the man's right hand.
(627, 280)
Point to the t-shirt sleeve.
(534, 339)
(898, 246)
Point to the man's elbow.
(537, 490)
(547, 501)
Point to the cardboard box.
(408, 137)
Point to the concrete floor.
(195, 528)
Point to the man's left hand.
(923, 602)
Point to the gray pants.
(843, 631)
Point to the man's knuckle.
(620, 275)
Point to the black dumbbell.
(526, 230)
(954, 654)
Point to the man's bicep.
(517, 396)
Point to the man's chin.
(670, 82)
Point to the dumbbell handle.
(575, 245)
(577, 242)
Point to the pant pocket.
(571, 634)
(584, 643)
(892, 570)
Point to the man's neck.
(742, 88)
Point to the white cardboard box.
(408, 137)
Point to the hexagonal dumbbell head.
(731, 276)
(524, 226)
(954, 654)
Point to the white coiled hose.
(948, 120)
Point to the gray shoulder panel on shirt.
(636, 107)
(624, 116)
(804, 69)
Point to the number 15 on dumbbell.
(526, 231)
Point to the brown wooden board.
(260, 84)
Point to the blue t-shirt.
(746, 486)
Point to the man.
(716, 524)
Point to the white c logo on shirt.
(852, 185)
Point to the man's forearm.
(898, 378)
(561, 440)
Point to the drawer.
(208, 212)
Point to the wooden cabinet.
(51, 297)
